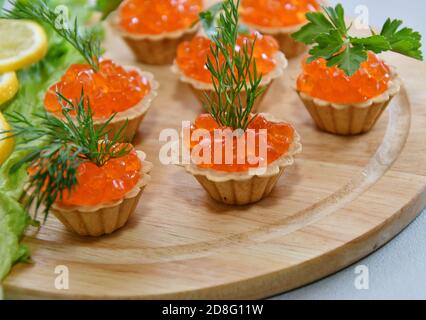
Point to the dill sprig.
(86, 43)
(234, 71)
(67, 142)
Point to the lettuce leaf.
(107, 6)
(34, 81)
(13, 221)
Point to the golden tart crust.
(106, 218)
(352, 118)
(158, 49)
(242, 188)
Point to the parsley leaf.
(318, 25)
(329, 35)
(375, 43)
(328, 45)
(404, 41)
(337, 17)
(350, 59)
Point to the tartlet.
(243, 184)
(279, 18)
(125, 92)
(347, 105)
(192, 56)
(96, 219)
(154, 29)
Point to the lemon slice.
(9, 86)
(22, 43)
(6, 146)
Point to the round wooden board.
(345, 197)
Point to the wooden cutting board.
(345, 197)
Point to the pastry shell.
(242, 188)
(200, 89)
(104, 219)
(350, 119)
(153, 49)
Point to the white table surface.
(397, 271)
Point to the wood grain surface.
(344, 198)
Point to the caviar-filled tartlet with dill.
(126, 92)
(91, 183)
(344, 84)
(229, 176)
(193, 55)
(154, 28)
(279, 18)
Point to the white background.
(398, 270)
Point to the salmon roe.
(158, 16)
(110, 90)
(106, 184)
(276, 13)
(192, 55)
(333, 85)
(280, 136)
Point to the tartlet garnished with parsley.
(344, 84)
(229, 174)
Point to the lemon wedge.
(6, 146)
(9, 86)
(22, 43)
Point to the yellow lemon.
(22, 43)
(6, 146)
(9, 86)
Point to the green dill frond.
(69, 140)
(233, 72)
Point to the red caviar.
(192, 55)
(158, 16)
(111, 89)
(105, 184)
(276, 13)
(280, 136)
(333, 85)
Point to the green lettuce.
(34, 82)
(107, 6)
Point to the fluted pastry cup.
(243, 188)
(159, 49)
(352, 118)
(106, 218)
